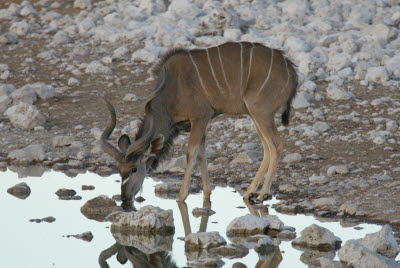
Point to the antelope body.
(196, 85)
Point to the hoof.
(262, 197)
(249, 196)
(251, 202)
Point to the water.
(29, 244)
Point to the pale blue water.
(28, 244)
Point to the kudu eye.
(134, 170)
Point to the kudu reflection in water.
(137, 258)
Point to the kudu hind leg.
(202, 158)
(197, 131)
(251, 190)
(275, 145)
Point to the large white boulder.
(353, 253)
(382, 242)
(43, 91)
(203, 240)
(248, 224)
(31, 153)
(21, 28)
(148, 219)
(24, 94)
(25, 116)
(319, 237)
(335, 92)
(377, 74)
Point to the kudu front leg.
(197, 132)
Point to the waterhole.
(30, 244)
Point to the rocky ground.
(342, 146)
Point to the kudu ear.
(155, 146)
(124, 142)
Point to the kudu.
(196, 85)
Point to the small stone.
(61, 141)
(83, 4)
(248, 157)
(21, 190)
(86, 236)
(49, 219)
(350, 209)
(65, 192)
(321, 127)
(73, 82)
(140, 199)
(88, 187)
(286, 235)
(130, 97)
(20, 28)
(292, 158)
(325, 202)
(198, 212)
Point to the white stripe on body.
(198, 73)
(125, 181)
(222, 67)
(250, 62)
(241, 67)
(212, 70)
(269, 72)
(288, 74)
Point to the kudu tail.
(288, 105)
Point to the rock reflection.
(28, 171)
(141, 252)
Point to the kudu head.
(134, 158)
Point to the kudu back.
(196, 85)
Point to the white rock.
(176, 164)
(335, 92)
(203, 240)
(85, 26)
(349, 209)
(96, 132)
(121, 53)
(130, 97)
(43, 91)
(24, 94)
(20, 28)
(34, 152)
(274, 222)
(377, 74)
(318, 179)
(95, 67)
(292, 158)
(316, 236)
(249, 156)
(6, 89)
(61, 37)
(248, 224)
(25, 116)
(358, 256)
(27, 10)
(295, 45)
(83, 4)
(183, 8)
(301, 100)
(382, 242)
(61, 141)
(73, 82)
(309, 86)
(324, 202)
(321, 127)
(148, 219)
(392, 65)
(232, 34)
(153, 6)
(5, 101)
(342, 169)
(338, 61)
